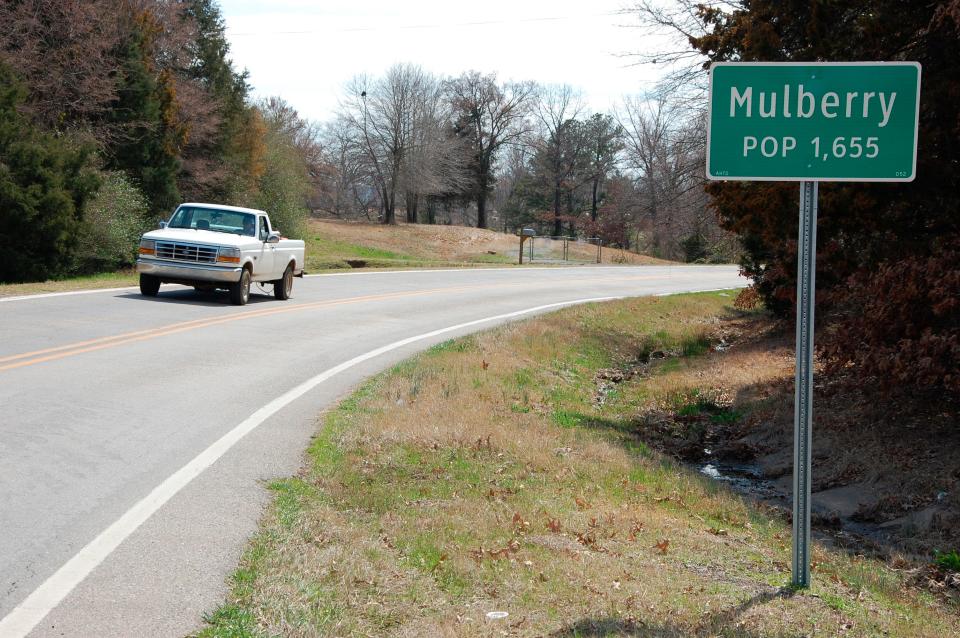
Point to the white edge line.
(688, 292)
(35, 607)
(46, 295)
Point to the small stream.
(744, 478)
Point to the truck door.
(267, 265)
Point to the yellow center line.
(92, 345)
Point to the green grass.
(103, 280)
(481, 475)
(948, 560)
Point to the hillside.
(334, 245)
(341, 244)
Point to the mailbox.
(528, 232)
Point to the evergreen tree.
(877, 242)
(145, 112)
(44, 182)
(240, 152)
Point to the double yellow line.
(34, 357)
(24, 359)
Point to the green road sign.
(828, 121)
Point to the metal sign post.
(811, 122)
(803, 402)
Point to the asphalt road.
(137, 435)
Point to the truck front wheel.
(283, 286)
(149, 285)
(240, 291)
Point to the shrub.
(113, 222)
(949, 561)
(904, 320)
(44, 182)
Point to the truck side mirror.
(163, 224)
(273, 238)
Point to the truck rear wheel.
(284, 286)
(149, 285)
(240, 291)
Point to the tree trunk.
(557, 224)
(431, 211)
(482, 208)
(389, 210)
(483, 181)
(412, 201)
(593, 207)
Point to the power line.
(449, 25)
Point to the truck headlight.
(148, 247)
(229, 255)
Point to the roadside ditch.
(886, 472)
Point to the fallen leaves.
(520, 525)
(499, 493)
(589, 540)
(495, 554)
(663, 545)
(635, 529)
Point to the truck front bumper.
(189, 273)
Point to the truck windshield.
(215, 219)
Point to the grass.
(118, 279)
(332, 246)
(484, 476)
(948, 560)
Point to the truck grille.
(186, 252)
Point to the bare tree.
(435, 165)
(346, 185)
(675, 23)
(488, 117)
(383, 112)
(665, 153)
(647, 125)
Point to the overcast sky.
(304, 51)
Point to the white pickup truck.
(210, 246)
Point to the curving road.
(136, 435)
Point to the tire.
(149, 285)
(284, 286)
(240, 291)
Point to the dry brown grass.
(340, 244)
(106, 280)
(483, 476)
(449, 243)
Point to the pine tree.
(239, 142)
(44, 182)
(145, 113)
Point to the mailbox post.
(525, 234)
